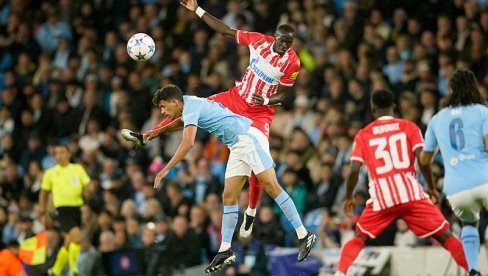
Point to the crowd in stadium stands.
(65, 77)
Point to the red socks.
(455, 247)
(349, 253)
(255, 189)
(162, 124)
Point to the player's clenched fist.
(349, 207)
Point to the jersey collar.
(385, 118)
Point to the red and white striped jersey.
(266, 69)
(387, 147)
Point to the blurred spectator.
(328, 231)
(325, 191)
(268, 229)
(174, 199)
(250, 258)
(107, 242)
(52, 31)
(187, 247)
(404, 236)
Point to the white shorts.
(467, 204)
(250, 153)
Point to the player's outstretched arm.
(425, 159)
(214, 23)
(351, 181)
(189, 134)
(172, 126)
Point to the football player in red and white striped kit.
(389, 147)
(272, 71)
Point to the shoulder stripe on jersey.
(416, 146)
(237, 36)
(356, 158)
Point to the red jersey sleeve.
(357, 153)
(291, 73)
(415, 136)
(246, 38)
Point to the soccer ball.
(141, 47)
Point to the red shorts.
(261, 116)
(422, 217)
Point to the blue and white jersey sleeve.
(191, 113)
(430, 143)
(485, 123)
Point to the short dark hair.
(464, 89)
(285, 28)
(169, 92)
(382, 98)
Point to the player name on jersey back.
(386, 128)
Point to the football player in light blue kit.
(249, 150)
(460, 130)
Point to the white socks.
(251, 212)
(224, 246)
(301, 232)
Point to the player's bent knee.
(363, 237)
(442, 236)
(75, 235)
(267, 177)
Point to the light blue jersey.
(459, 134)
(214, 118)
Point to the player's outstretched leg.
(136, 137)
(349, 253)
(225, 256)
(454, 246)
(255, 190)
(133, 137)
(305, 239)
(470, 238)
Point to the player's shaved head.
(382, 99)
(285, 30)
(284, 36)
(382, 103)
